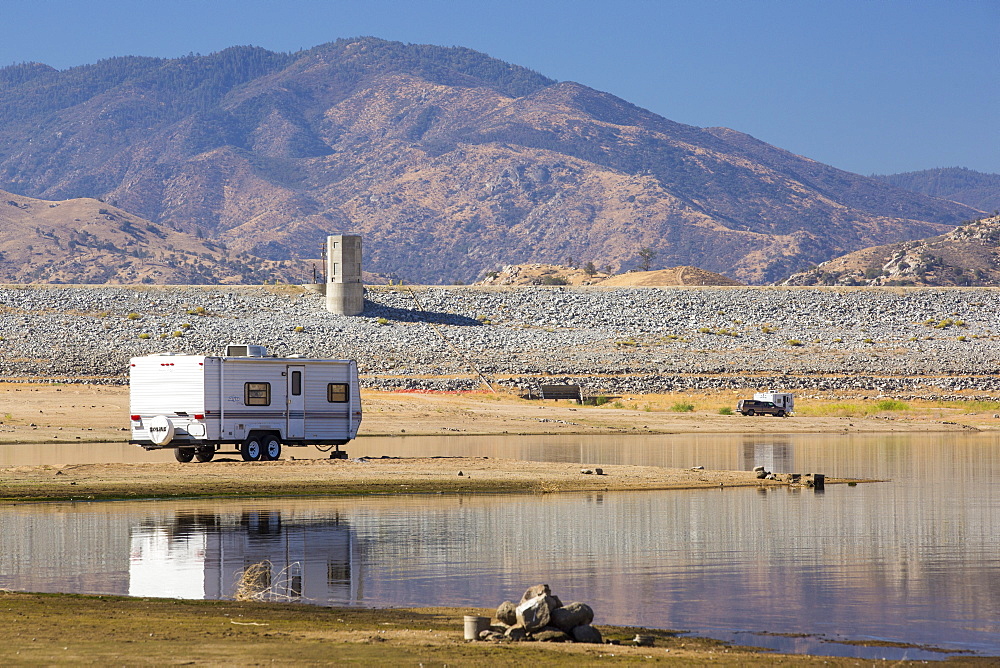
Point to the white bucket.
(475, 625)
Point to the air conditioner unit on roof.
(241, 350)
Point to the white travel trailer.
(196, 404)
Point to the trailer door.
(295, 413)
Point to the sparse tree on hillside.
(589, 269)
(646, 257)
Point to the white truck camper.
(782, 400)
(196, 404)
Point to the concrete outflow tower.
(344, 291)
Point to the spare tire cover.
(161, 430)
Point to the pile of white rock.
(542, 617)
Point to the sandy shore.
(47, 413)
(227, 476)
(51, 413)
(111, 630)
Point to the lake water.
(915, 560)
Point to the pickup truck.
(754, 407)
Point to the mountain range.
(966, 186)
(449, 162)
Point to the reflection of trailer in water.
(774, 453)
(202, 556)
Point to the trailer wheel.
(251, 449)
(204, 454)
(184, 455)
(272, 448)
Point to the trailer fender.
(161, 430)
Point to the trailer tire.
(204, 454)
(184, 455)
(272, 448)
(251, 449)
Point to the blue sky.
(868, 86)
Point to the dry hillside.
(553, 274)
(87, 241)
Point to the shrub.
(768, 329)
(726, 411)
(185, 325)
(869, 340)
(891, 405)
(134, 316)
(178, 333)
(300, 328)
(794, 342)
(144, 335)
(962, 338)
(599, 400)
(383, 321)
(682, 407)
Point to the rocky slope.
(449, 162)
(939, 342)
(967, 256)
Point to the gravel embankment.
(878, 341)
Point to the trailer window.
(337, 393)
(257, 394)
(296, 383)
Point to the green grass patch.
(835, 409)
(852, 408)
(682, 407)
(725, 410)
(890, 405)
(971, 406)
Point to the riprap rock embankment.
(878, 341)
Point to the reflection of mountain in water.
(200, 555)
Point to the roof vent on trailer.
(245, 351)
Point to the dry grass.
(258, 582)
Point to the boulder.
(507, 613)
(516, 633)
(535, 591)
(535, 614)
(551, 634)
(587, 633)
(572, 615)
